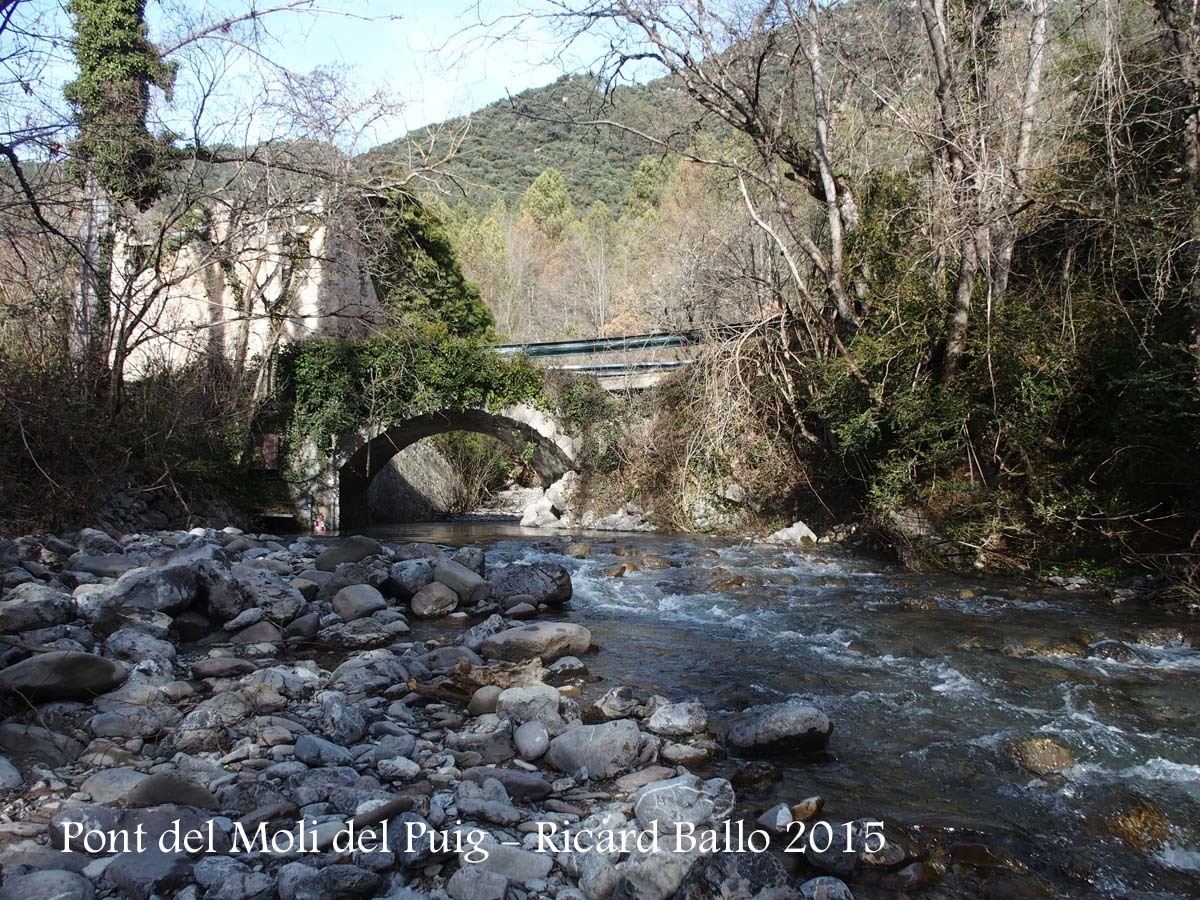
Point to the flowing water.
(928, 680)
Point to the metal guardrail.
(603, 345)
(665, 365)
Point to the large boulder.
(107, 565)
(544, 582)
(781, 727)
(679, 719)
(795, 535)
(685, 799)
(254, 588)
(408, 576)
(62, 675)
(58, 884)
(434, 600)
(169, 584)
(466, 583)
(349, 550)
(549, 640)
(93, 540)
(734, 874)
(358, 601)
(531, 703)
(33, 605)
(27, 745)
(604, 750)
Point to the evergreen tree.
(548, 203)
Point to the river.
(929, 680)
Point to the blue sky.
(431, 55)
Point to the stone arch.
(518, 426)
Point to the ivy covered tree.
(417, 274)
(118, 65)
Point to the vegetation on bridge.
(329, 387)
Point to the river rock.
(477, 883)
(532, 703)
(109, 786)
(62, 675)
(796, 535)
(605, 750)
(164, 788)
(732, 875)
(251, 588)
(1042, 755)
(358, 601)
(10, 776)
(465, 582)
(679, 719)
(134, 646)
(407, 577)
(225, 878)
(140, 875)
(47, 884)
(259, 633)
(532, 740)
(685, 799)
(544, 582)
(316, 751)
(169, 584)
(434, 600)
(782, 727)
(348, 550)
(514, 863)
(484, 700)
(826, 887)
(33, 605)
(548, 640)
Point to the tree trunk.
(1183, 30)
(1029, 101)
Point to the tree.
(111, 97)
(644, 189)
(547, 203)
(418, 275)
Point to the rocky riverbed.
(265, 696)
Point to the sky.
(438, 59)
(430, 56)
(433, 56)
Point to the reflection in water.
(928, 681)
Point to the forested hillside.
(507, 144)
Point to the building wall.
(247, 288)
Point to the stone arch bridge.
(339, 475)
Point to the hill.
(510, 142)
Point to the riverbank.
(247, 681)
